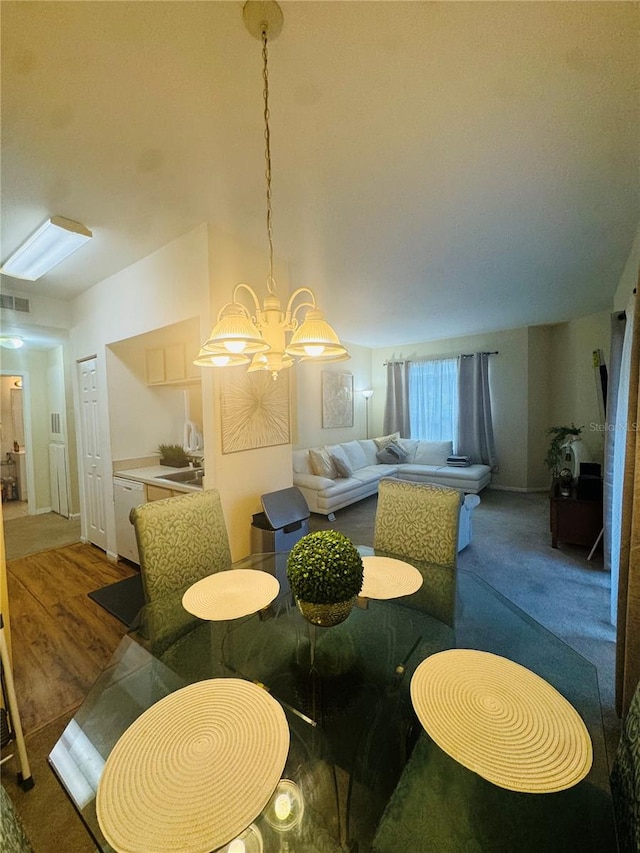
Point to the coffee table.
(369, 775)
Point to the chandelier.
(259, 336)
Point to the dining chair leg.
(25, 778)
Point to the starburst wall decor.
(255, 410)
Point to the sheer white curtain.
(433, 399)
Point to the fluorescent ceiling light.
(51, 243)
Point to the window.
(433, 399)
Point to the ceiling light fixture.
(46, 248)
(11, 341)
(237, 334)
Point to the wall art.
(254, 410)
(337, 399)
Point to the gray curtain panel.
(396, 409)
(475, 427)
(618, 324)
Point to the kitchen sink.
(190, 476)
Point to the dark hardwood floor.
(61, 638)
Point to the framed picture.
(254, 410)
(337, 400)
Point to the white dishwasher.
(126, 495)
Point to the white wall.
(508, 377)
(307, 400)
(573, 380)
(168, 286)
(630, 276)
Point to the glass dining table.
(369, 776)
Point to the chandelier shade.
(315, 338)
(235, 332)
(260, 339)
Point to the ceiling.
(439, 169)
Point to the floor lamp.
(367, 394)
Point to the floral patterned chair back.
(12, 835)
(625, 780)
(180, 541)
(418, 522)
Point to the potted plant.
(173, 455)
(561, 435)
(325, 575)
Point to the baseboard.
(43, 510)
(74, 516)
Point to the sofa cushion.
(392, 454)
(410, 445)
(301, 462)
(383, 440)
(355, 454)
(322, 464)
(432, 452)
(373, 473)
(370, 449)
(340, 460)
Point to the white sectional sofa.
(351, 471)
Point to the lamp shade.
(367, 393)
(315, 338)
(235, 332)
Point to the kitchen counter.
(152, 475)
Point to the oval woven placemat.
(230, 594)
(386, 577)
(501, 720)
(194, 770)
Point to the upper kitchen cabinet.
(172, 364)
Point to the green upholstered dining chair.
(12, 834)
(180, 540)
(625, 779)
(418, 522)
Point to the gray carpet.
(511, 550)
(32, 533)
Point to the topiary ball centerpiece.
(325, 575)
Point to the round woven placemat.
(194, 770)
(230, 594)
(386, 577)
(501, 720)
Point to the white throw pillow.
(432, 452)
(301, 462)
(322, 464)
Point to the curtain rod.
(438, 357)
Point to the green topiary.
(324, 568)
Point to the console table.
(572, 520)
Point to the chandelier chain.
(267, 157)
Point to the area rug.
(122, 599)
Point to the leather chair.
(418, 522)
(180, 541)
(625, 779)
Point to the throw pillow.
(383, 440)
(341, 462)
(322, 464)
(432, 452)
(392, 454)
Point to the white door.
(58, 477)
(92, 463)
